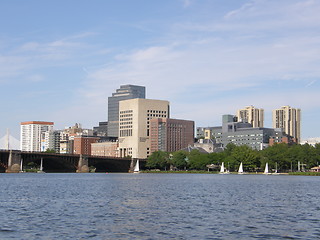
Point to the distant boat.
(136, 167)
(223, 170)
(276, 171)
(41, 167)
(21, 166)
(266, 170)
(240, 171)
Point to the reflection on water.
(158, 206)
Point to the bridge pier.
(83, 164)
(14, 162)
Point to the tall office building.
(289, 119)
(134, 130)
(170, 135)
(124, 93)
(251, 115)
(30, 134)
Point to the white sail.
(266, 170)
(222, 168)
(276, 171)
(41, 167)
(240, 171)
(21, 165)
(136, 167)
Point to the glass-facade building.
(125, 92)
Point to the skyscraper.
(251, 115)
(289, 119)
(124, 93)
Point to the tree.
(245, 154)
(158, 159)
(179, 160)
(197, 160)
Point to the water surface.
(158, 206)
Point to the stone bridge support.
(83, 164)
(14, 162)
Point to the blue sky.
(61, 60)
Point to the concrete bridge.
(10, 162)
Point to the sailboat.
(276, 171)
(41, 167)
(240, 171)
(266, 170)
(136, 167)
(223, 170)
(21, 166)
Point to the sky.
(61, 60)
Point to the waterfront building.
(243, 133)
(170, 135)
(289, 119)
(125, 92)
(105, 149)
(82, 144)
(134, 125)
(252, 115)
(30, 134)
(50, 140)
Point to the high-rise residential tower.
(124, 93)
(134, 132)
(30, 134)
(251, 115)
(289, 119)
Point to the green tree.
(179, 160)
(197, 160)
(158, 159)
(245, 154)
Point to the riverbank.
(215, 172)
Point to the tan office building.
(251, 115)
(289, 119)
(134, 125)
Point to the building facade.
(30, 134)
(134, 125)
(289, 120)
(252, 115)
(82, 144)
(105, 149)
(50, 140)
(170, 135)
(124, 93)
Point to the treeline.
(281, 156)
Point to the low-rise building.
(105, 149)
(82, 144)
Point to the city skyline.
(206, 58)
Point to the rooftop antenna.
(7, 143)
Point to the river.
(158, 206)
